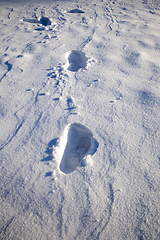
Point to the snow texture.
(80, 120)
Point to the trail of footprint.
(59, 77)
(113, 24)
(76, 143)
(10, 13)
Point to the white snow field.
(80, 120)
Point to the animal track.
(58, 77)
(71, 106)
(119, 97)
(9, 67)
(76, 60)
(76, 142)
(49, 159)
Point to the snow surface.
(94, 63)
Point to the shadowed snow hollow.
(76, 60)
(76, 11)
(76, 143)
(43, 20)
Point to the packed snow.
(76, 143)
(80, 119)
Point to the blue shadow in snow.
(76, 11)
(49, 152)
(146, 98)
(76, 59)
(92, 152)
(48, 174)
(132, 58)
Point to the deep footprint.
(76, 60)
(43, 20)
(78, 142)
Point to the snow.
(79, 80)
(76, 143)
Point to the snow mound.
(76, 143)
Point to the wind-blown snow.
(80, 78)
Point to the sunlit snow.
(80, 119)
